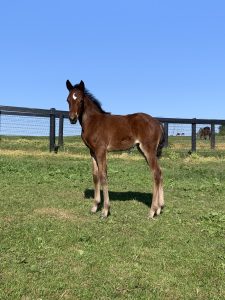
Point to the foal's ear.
(69, 85)
(82, 86)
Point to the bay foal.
(102, 132)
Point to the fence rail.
(56, 123)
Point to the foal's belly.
(123, 143)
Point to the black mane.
(93, 99)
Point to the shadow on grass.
(145, 198)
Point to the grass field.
(51, 247)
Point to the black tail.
(161, 142)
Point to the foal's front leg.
(96, 180)
(102, 171)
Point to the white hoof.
(158, 211)
(104, 213)
(151, 214)
(94, 209)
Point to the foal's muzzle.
(73, 121)
(73, 118)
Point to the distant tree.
(222, 130)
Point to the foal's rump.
(149, 130)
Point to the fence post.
(193, 136)
(52, 130)
(166, 129)
(61, 123)
(213, 136)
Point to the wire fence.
(53, 129)
(12, 125)
(69, 129)
(180, 138)
(16, 125)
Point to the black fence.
(181, 134)
(195, 126)
(21, 121)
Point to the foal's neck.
(90, 109)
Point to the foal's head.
(75, 100)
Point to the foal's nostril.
(73, 120)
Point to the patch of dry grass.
(197, 159)
(36, 153)
(58, 213)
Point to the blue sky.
(165, 58)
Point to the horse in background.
(102, 132)
(205, 132)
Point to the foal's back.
(123, 132)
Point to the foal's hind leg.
(158, 197)
(96, 180)
(157, 201)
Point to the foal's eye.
(74, 96)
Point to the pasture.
(52, 247)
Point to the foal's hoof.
(151, 214)
(155, 212)
(158, 211)
(105, 214)
(94, 209)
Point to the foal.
(102, 132)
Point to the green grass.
(51, 247)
